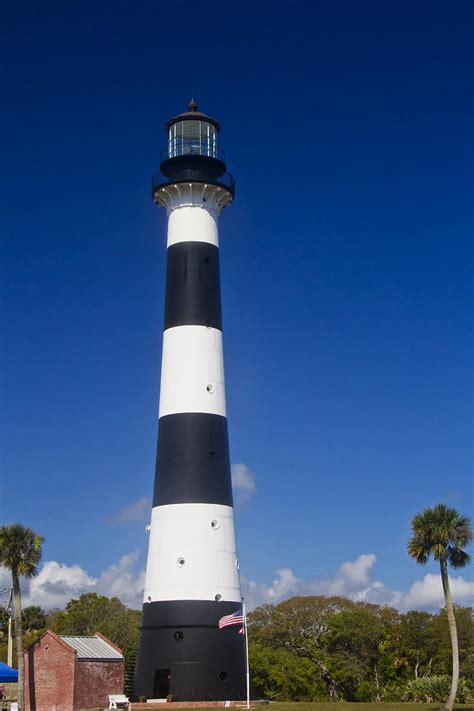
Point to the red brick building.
(72, 673)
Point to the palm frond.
(20, 549)
(441, 532)
(458, 558)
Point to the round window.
(180, 562)
(215, 524)
(218, 597)
(223, 676)
(210, 388)
(178, 636)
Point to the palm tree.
(443, 533)
(20, 553)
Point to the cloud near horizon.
(243, 484)
(136, 511)
(355, 580)
(58, 583)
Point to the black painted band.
(185, 613)
(192, 460)
(198, 660)
(193, 295)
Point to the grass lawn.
(345, 706)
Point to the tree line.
(352, 648)
(306, 648)
(318, 648)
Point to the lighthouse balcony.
(199, 173)
(190, 175)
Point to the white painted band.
(192, 554)
(192, 371)
(192, 224)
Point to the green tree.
(443, 533)
(20, 553)
(415, 645)
(359, 642)
(33, 619)
(300, 626)
(95, 613)
(439, 642)
(278, 675)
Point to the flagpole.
(246, 653)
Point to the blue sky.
(346, 268)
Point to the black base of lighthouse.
(182, 652)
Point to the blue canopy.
(7, 674)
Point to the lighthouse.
(192, 573)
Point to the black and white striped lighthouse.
(192, 574)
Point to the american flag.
(236, 618)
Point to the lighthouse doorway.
(161, 686)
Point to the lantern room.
(192, 155)
(192, 133)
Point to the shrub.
(434, 689)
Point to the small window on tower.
(178, 636)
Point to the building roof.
(92, 647)
(193, 114)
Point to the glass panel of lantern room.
(192, 137)
(211, 141)
(214, 142)
(188, 137)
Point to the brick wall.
(95, 680)
(49, 675)
(55, 680)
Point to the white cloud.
(351, 578)
(123, 581)
(5, 578)
(429, 592)
(136, 511)
(286, 584)
(355, 579)
(357, 572)
(57, 583)
(243, 484)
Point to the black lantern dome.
(192, 154)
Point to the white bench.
(117, 701)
